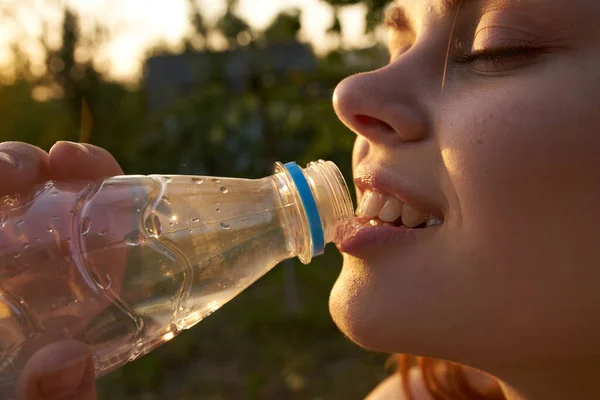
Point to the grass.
(256, 348)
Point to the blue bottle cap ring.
(310, 207)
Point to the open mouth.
(385, 210)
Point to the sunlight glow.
(135, 26)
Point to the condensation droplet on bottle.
(26, 245)
(55, 217)
(20, 222)
(102, 233)
(50, 230)
(2, 221)
(198, 181)
(166, 200)
(216, 180)
(11, 201)
(196, 220)
(71, 212)
(133, 238)
(21, 300)
(17, 255)
(86, 225)
(225, 226)
(218, 210)
(224, 189)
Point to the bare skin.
(509, 154)
(63, 370)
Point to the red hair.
(445, 380)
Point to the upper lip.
(381, 180)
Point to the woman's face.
(497, 131)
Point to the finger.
(60, 371)
(82, 161)
(21, 166)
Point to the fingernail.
(78, 146)
(8, 159)
(63, 381)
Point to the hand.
(62, 370)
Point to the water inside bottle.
(127, 265)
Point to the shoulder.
(392, 388)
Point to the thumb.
(60, 371)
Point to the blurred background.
(211, 87)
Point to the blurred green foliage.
(256, 347)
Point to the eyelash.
(495, 57)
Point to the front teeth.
(388, 209)
(391, 210)
(370, 205)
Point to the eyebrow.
(395, 16)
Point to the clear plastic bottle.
(126, 263)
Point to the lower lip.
(365, 238)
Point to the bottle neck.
(322, 201)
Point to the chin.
(388, 309)
(361, 310)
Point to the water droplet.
(216, 180)
(86, 225)
(224, 189)
(2, 221)
(20, 222)
(55, 217)
(137, 209)
(133, 238)
(71, 212)
(166, 200)
(50, 230)
(198, 181)
(37, 239)
(17, 255)
(225, 226)
(196, 220)
(26, 245)
(21, 300)
(102, 233)
(218, 210)
(11, 201)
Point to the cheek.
(523, 152)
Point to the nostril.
(366, 120)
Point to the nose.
(381, 106)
